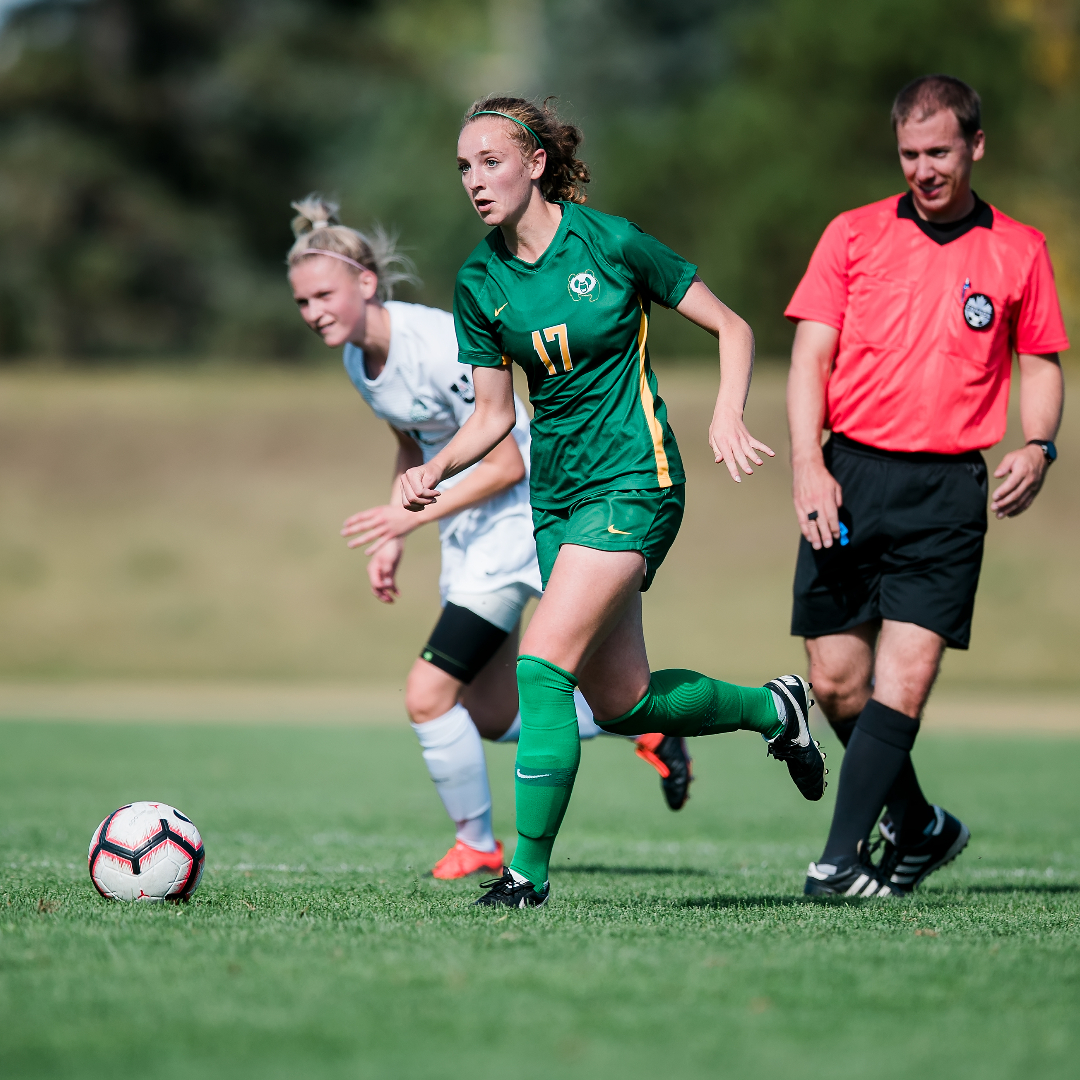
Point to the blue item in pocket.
(844, 536)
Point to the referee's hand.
(818, 498)
(1024, 471)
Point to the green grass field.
(674, 945)
(169, 536)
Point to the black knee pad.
(462, 643)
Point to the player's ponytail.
(565, 175)
(317, 227)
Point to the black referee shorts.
(911, 544)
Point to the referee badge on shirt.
(978, 308)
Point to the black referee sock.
(875, 757)
(908, 809)
(842, 729)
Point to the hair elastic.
(493, 112)
(336, 255)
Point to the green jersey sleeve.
(660, 273)
(478, 335)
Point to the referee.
(907, 319)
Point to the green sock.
(680, 702)
(548, 753)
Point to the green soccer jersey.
(577, 321)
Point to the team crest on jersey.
(419, 412)
(583, 285)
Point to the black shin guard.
(876, 754)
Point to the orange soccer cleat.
(462, 860)
(669, 756)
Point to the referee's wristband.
(1047, 447)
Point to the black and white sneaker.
(795, 745)
(507, 891)
(861, 879)
(908, 865)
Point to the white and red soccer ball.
(146, 851)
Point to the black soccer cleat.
(795, 745)
(861, 879)
(908, 865)
(669, 756)
(507, 892)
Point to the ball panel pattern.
(146, 851)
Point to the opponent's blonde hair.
(317, 227)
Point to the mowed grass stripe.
(676, 944)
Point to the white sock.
(781, 713)
(587, 727)
(454, 756)
(511, 733)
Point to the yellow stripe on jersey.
(663, 477)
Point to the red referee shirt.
(927, 329)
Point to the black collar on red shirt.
(981, 217)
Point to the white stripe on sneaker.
(860, 881)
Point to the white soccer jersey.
(424, 392)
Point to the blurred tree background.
(149, 149)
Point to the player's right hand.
(382, 571)
(815, 489)
(418, 487)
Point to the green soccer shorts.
(645, 521)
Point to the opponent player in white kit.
(403, 360)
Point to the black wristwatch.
(1047, 447)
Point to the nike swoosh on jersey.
(532, 776)
(497, 310)
(618, 532)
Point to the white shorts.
(501, 608)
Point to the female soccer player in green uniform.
(566, 292)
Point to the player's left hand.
(733, 445)
(1024, 470)
(378, 525)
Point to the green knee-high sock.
(680, 702)
(548, 753)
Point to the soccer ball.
(146, 851)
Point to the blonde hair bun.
(317, 227)
(314, 212)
